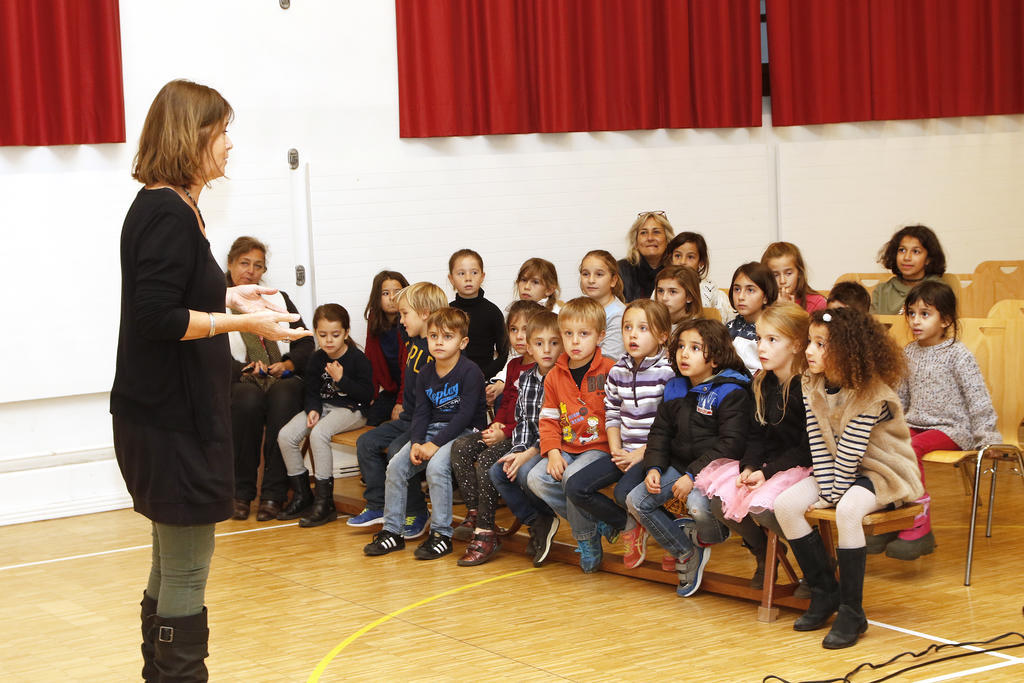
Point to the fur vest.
(889, 461)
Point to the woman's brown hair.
(859, 350)
(243, 245)
(176, 135)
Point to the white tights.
(791, 504)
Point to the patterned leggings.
(471, 459)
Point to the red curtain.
(854, 60)
(60, 72)
(472, 67)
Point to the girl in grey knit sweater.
(944, 397)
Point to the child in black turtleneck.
(488, 340)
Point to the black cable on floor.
(931, 649)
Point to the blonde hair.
(689, 280)
(613, 266)
(632, 253)
(544, 271)
(422, 297)
(792, 322)
(658, 318)
(175, 138)
(583, 309)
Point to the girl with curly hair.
(861, 459)
(912, 255)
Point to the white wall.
(321, 77)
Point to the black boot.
(181, 648)
(813, 560)
(850, 622)
(302, 497)
(323, 510)
(148, 617)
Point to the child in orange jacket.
(572, 432)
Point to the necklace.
(189, 195)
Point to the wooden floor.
(290, 604)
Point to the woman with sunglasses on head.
(171, 399)
(647, 238)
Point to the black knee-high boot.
(148, 617)
(813, 560)
(850, 622)
(323, 509)
(181, 648)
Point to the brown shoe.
(464, 531)
(267, 510)
(241, 510)
(482, 548)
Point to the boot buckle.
(166, 634)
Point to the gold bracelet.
(213, 325)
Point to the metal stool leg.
(991, 499)
(974, 516)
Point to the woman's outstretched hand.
(249, 299)
(266, 324)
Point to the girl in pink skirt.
(743, 492)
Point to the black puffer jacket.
(782, 442)
(696, 425)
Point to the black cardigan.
(782, 442)
(161, 382)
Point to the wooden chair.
(1007, 308)
(996, 344)
(992, 281)
(868, 280)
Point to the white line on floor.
(134, 547)
(1012, 659)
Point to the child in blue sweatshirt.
(449, 403)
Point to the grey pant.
(181, 564)
(333, 421)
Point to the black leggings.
(471, 460)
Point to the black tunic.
(171, 399)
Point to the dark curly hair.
(718, 348)
(936, 259)
(859, 350)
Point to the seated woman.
(265, 392)
(647, 238)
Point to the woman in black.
(170, 400)
(266, 391)
(648, 238)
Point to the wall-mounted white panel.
(841, 200)
(411, 216)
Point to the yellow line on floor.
(325, 662)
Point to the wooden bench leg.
(766, 611)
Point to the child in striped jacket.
(633, 391)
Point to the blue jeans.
(552, 492)
(646, 507)
(439, 481)
(375, 449)
(517, 494)
(584, 491)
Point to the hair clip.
(827, 317)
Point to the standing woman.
(648, 238)
(266, 391)
(170, 400)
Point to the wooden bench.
(349, 438)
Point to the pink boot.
(918, 540)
